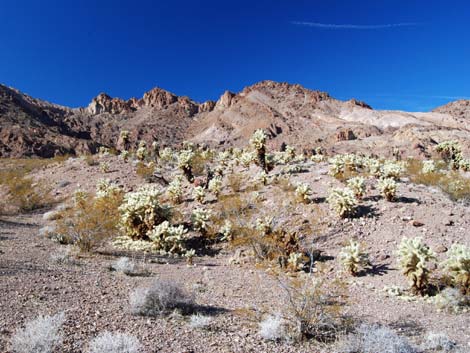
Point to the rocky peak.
(225, 100)
(159, 98)
(207, 106)
(103, 103)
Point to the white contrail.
(351, 26)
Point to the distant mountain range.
(289, 113)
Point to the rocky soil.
(236, 296)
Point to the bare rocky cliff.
(290, 113)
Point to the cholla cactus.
(357, 184)
(124, 155)
(258, 141)
(342, 201)
(413, 255)
(167, 154)
(124, 136)
(451, 152)
(458, 265)
(200, 219)
(104, 167)
(372, 166)
(215, 186)
(296, 261)
(428, 167)
(103, 151)
(246, 158)
(79, 197)
(303, 191)
(336, 166)
(141, 152)
(464, 164)
(141, 211)
(175, 189)
(185, 158)
(392, 169)
(388, 188)
(104, 188)
(317, 158)
(199, 194)
(262, 177)
(264, 226)
(224, 157)
(353, 258)
(226, 230)
(168, 239)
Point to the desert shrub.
(41, 335)
(105, 188)
(353, 258)
(438, 342)
(388, 188)
(175, 189)
(375, 339)
(264, 225)
(200, 218)
(109, 342)
(303, 191)
(342, 201)
(451, 300)
(161, 297)
(272, 328)
(357, 184)
(124, 265)
(312, 309)
(63, 256)
(104, 167)
(90, 222)
(199, 194)
(458, 266)
(413, 255)
(226, 230)
(103, 151)
(262, 177)
(141, 211)
(199, 321)
(145, 170)
(24, 194)
(90, 160)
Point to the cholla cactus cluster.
(413, 255)
(199, 194)
(141, 152)
(342, 163)
(451, 152)
(303, 191)
(392, 169)
(124, 155)
(464, 165)
(262, 177)
(264, 225)
(215, 186)
(246, 158)
(296, 261)
(388, 188)
(357, 184)
(342, 201)
(226, 230)
(167, 154)
(185, 158)
(104, 167)
(458, 265)
(428, 167)
(200, 218)
(168, 239)
(258, 141)
(353, 258)
(104, 188)
(141, 211)
(175, 189)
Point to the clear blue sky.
(393, 54)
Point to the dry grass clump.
(41, 335)
(160, 298)
(145, 170)
(117, 342)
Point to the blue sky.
(410, 55)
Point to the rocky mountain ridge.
(290, 113)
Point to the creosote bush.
(41, 335)
(160, 298)
(413, 255)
